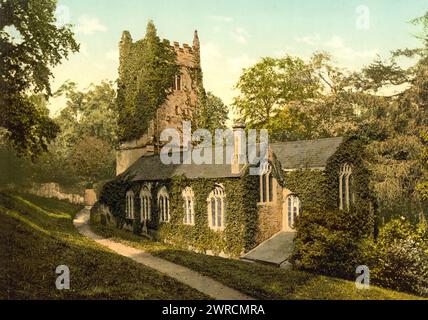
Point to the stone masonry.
(178, 106)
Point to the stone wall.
(179, 105)
(53, 190)
(270, 215)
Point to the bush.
(399, 257)
(329, 242)
(336, 242)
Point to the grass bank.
(256, 280)
(37, 235)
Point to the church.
(221, 209)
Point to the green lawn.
(256, 280)
(37, 235)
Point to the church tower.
(179, 105)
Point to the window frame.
(188, 206)
(346, 198)
(177, 83)
(216, 208)
(164, 205)
(145, 204)
(294, 209)
(267, 186)
(130, 205)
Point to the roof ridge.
(307, 140)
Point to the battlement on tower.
(186, 55)
(178, 106)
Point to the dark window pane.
(185, 211)
(270, 187)
(219, 208)
(147, 208)
(213, 212)
(344, 190)
(264, 188)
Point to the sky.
(236, 34)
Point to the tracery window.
(146, 204)
(129, 208)
(266, 185)
(216, 208)
(189, 209)
(293, 210)
(163, 204)
(346, 195)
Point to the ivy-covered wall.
(353, 152)
(309, 185)
(241, 213)
(319, 190)
(146, 70)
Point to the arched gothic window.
(293, 210)
(266, 185)
(129, 209)
(163, 204)
(216, 208)
(346, 196)
(189, 209)
(146, 204)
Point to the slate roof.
(292, 155)
(151, 168)
(305, 153)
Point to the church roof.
(305, 153)
(292, 155)
(151, 168)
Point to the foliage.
(270, 85)
(328, 242)
(31, 43)
(399, 257)
(113, 195)
(92, 159)
(38, 234)
(211, 113)
(147, 68)
(257, 280)
(352, 151)
(84, 149)
(241, 212)
(358, 103)
(310, 186)
(88, 113)
(320, 189)
(15, 170)
(422, 187)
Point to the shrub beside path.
(187, 276)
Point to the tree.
(270, 85)
(25, 61)
(91, 112)
(211, 113)
(92, 159)
(396, 131)
(89, 117)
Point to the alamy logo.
(363, 278)
(234, 147)
(63, 280)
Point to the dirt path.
(187, 276)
